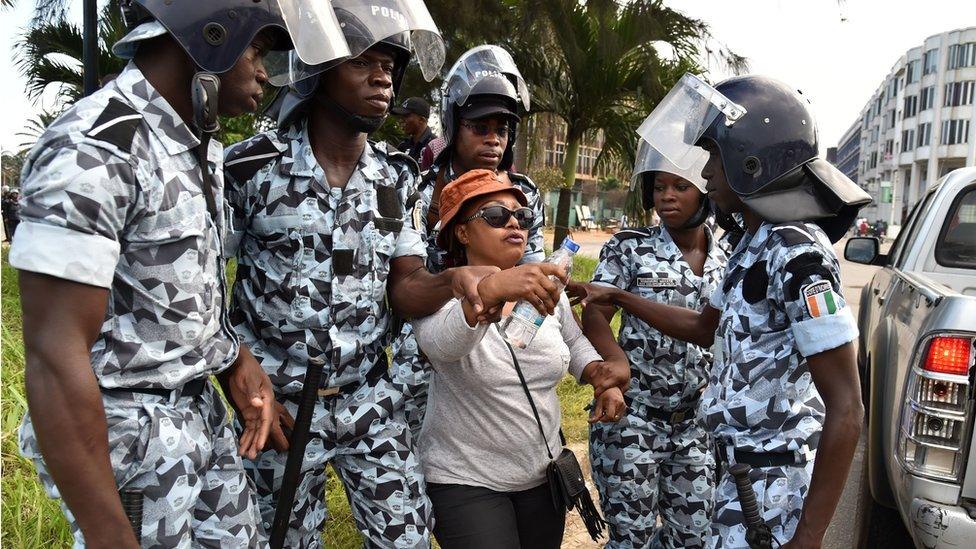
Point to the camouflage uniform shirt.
(314, 259)
(667, 373)
(780, 302)
(113, 197)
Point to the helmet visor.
(477, 64)
(358, 26)
(650, 159)
(677, 123)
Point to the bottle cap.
(570, 245)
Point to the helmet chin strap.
(358, 122)
(699, 217)
(204, 94)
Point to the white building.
(918, 125)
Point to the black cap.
(416, 105)
(485, 106)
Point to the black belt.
(191, 389)
(672, 416)
(760, 459)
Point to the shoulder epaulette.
(117, 125)
(627, 234)
(247, 158)
(794, 233)
(397, 156)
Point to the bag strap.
(528, 395)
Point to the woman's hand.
(591, 294)
(529, 282)
(609, 407)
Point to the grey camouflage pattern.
(411, 369)
(313, 263)
(760, 396)
(181, 454)
(134, 221)
(781, 491)
(370, 449)
(291, 301)
(645, 467)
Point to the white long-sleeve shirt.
(479, 429)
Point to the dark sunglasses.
(498, 216)
(482, 129)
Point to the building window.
(907, 140)
(955, 132)
(958, 93)
(890, 119)
(924, 134)
(556, 155)
(927, 98)
(913, 72)
(911, 107)
(878, 104)
(889, 148)
(874, 135)
(961, 55)
(930, 61)
(874, 161)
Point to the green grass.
(28, 518)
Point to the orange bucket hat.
(471, 184)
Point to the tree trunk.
(566, 192)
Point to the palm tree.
(595, 65)
(50, 52)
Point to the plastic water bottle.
(521, 326)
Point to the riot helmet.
(767, 138)
(650, 161)
(404, 27)
(214, 33)
(483, 82)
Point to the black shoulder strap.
(627, 234)
(117, 124)
(528, 395)
(246, 159)
(794, 234)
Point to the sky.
(836, 52)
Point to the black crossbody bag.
(564, 473)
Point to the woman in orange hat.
(483, 457)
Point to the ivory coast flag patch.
(820, 299)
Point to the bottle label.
(526, 313)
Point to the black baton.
(132, 506)
(296, 452)
(758, 535)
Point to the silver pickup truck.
(916, 354)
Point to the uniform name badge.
(657, 283)
(820, 299)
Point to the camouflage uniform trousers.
(646, 467)
(365, 438)
(411, 375)
(781, 490)
(181, 454)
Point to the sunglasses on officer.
(498, 216)
(482, 129)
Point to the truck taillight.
(949, 355)
(936, 413)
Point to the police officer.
(657, 460)
(123, 294)
(324, 220)
(479, 115)
(413, 115)
(783, 395)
